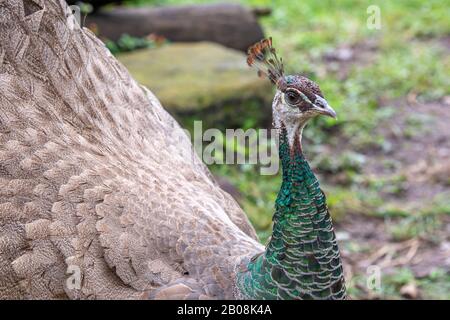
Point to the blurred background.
(384, 66)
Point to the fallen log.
(231, 25)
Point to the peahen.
(102, 197)
(301, 260)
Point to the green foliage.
(128, 43)
(434, 286)
(423, 222)
(85, 8)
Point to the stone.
(230, 24)
(203, 81)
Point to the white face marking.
(320, 102)
(292, 118)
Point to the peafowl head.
(297, 99)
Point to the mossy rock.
(203, 81)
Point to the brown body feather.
(87, 177)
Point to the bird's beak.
(324, 108)
(328, 111)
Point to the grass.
(434, 286)
(423, 222)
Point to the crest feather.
(262, 55)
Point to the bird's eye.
(292, 97)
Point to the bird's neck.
(302, 258)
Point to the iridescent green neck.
(302, 259)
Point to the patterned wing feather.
(88, 184)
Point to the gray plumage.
(96, 175)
